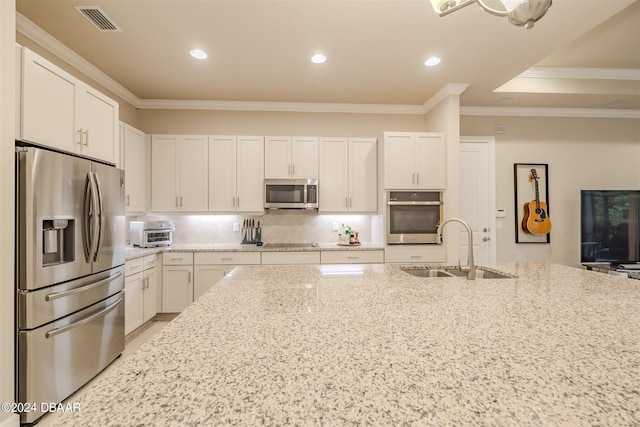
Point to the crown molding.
(582, 73)
(594, 113)
(44, 39)
(296, 107)
(448, 90)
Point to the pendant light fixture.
(523, 13)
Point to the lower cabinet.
(351, 257)
(290, 258)
(141, 285)
(177, 281)
(209, 267)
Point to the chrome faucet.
(471, 266)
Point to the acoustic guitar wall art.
(536, 217)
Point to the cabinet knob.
(486, 239)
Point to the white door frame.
(491, 141)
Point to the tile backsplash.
(278, 226)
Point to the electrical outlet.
(236, 226)
(335, 226)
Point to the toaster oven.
(149, 234)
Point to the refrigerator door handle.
(100, 217)
(87, 232)
(56, 295)
(57, 331)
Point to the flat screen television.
(610, 226)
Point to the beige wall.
(582, 153)
(275, 123)
(7, 162)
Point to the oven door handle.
(57, 331)
(57, 295)
(414, 203)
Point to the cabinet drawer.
(134, 266)
(177, 258)
(351, 257)
(236, 258)
(151, 261)
(287, 258)
(434, 253)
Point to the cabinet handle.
(238, 201)
(350, 202)
(233, 202)
(417, 179)
(189, 277)
(293, 169)
(413, 178)
(226, 259)
(289, 169)
(79, 132)
(416, 256)
(352, 257)
(86, 137)
(346, 202)
(176, 201)
(180, 201)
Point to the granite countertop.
(134, 252)
(373, 345)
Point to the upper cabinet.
(134, 162)
(291, 157)
(60, 111)
(236, 173)
(179, 171)
(348, 173)
(414, 161)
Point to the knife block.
(251, 238)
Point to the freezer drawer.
(42, 306)
(56, 359)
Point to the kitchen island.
(371, 344)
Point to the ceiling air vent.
(97, 17)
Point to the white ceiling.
(585, 53)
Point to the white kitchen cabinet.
(236, 173)
(290, 258)
(291, 157)
(140, 285)
(62, 112)
(351, 256)
(177, 281)
(414, 161)
(415, 253)
(209, 267)
(133, 162)
(179, 173)
(348, 173)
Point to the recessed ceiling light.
(431, 62)
(318, 58)
(198, 54)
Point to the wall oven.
(413, 217)
(291, 193)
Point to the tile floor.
(132, 344)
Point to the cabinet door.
(150, 292)
(399, 161)
(222, 173)
(430, 161)
(177, 288)
(134, 166)
(164, 194)
(363, 167)
(334, 174)
(205, 277)
(133, 302)
(193, 155)
(250, 174)
(304, 157)
(277, 157)
(48, 104)
(97, 120)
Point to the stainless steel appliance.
(149, 234)
(291, 193)
(413, 217)
(70, 253)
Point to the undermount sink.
(481, 273)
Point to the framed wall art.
(531, 187)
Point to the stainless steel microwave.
(413, 217)
(291, 193)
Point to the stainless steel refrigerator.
(70, 244)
